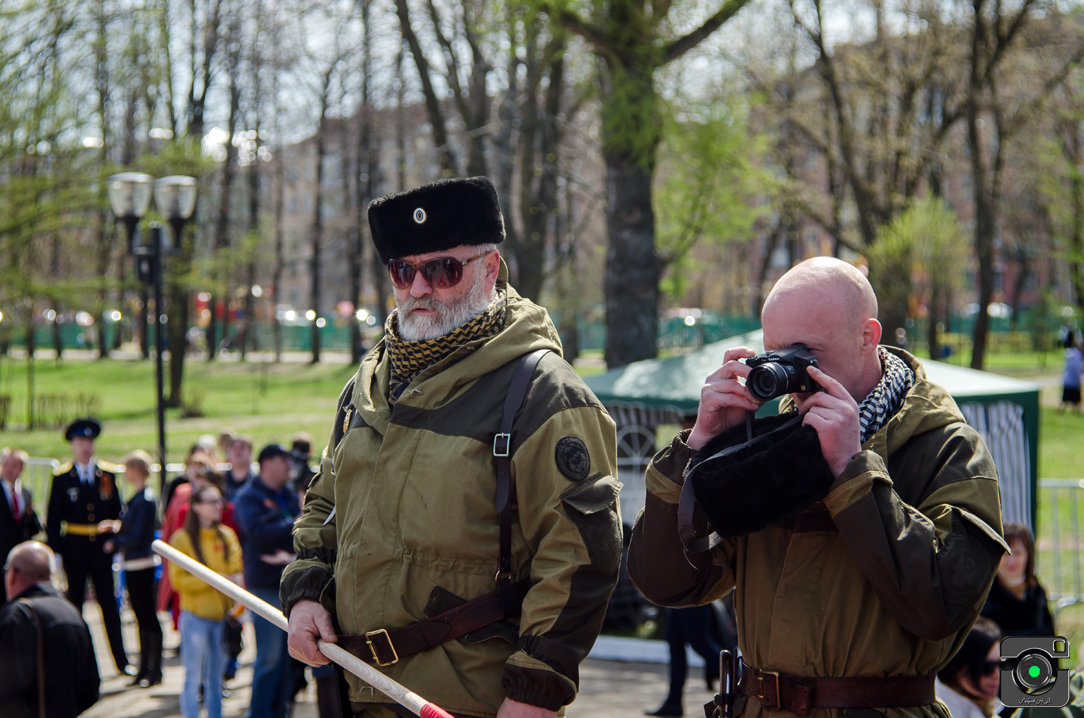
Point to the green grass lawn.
(268, 401)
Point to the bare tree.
(537, 124)
(992, 123)
(205, 26)
(366, 180)
(223, 240)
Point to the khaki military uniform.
(884, 577)
(401, 523)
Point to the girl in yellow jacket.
(202, 608)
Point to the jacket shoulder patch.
(572, 458)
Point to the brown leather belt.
(386, 646)
(801, 695)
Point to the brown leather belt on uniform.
(801, 695)
(79, 529)
(385, 646)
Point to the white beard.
(444, 318)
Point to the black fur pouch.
(742, 484)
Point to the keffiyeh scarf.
(887, 397)
(410, 358)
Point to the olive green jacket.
(404, 503)
(884, 577)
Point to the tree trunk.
(105, 254)
(280, 253)
(540, 161)
(632, 265)
(984, 241)
(177, 300)
(223, 241)
(141, 322)
(631, 135)
(366, 169)
(448, 163)
(30, 349)
(933, 338)
(318, 223)
(1076, 237)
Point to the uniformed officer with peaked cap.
(84, 493)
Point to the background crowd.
(227, 511)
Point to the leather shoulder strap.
(502, 449)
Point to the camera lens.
(1034, 672)
(768, 381)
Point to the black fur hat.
(742, 486)
(441, 215)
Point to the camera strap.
(687, 499)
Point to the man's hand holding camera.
(832, 412)
(723, 398)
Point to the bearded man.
(471, 556)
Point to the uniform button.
(90, 507)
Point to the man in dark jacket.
(18, 520)
(133, 539)
(265, 509)
(61, 667)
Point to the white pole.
(396, 691)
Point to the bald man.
(855, 598)
(62, 669)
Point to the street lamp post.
(175, 197)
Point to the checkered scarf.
(887, 397)
(410, 358)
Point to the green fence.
(1030, 332)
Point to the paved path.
(609, 688)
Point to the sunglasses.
(989, 667)
(442, 272)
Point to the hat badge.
(419, 216)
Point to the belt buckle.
(372, 647)
(761, 682)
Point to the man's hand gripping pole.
(396, 691)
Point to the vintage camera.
(1029, 671)
(780, 372)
